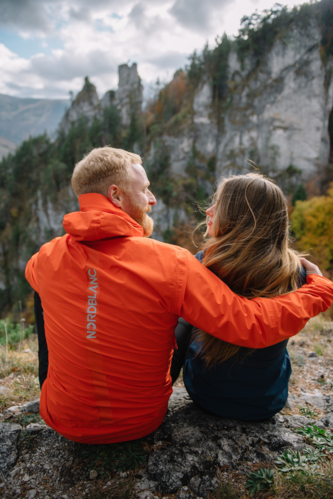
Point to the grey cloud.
(80, 14)
(32, 15)
(24, 14)
(169, 60)
(71, 66)
(137, 14)
(196, 14)
(148, 26)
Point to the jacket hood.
(99, 219)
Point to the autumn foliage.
(170, 99)
(312, 224)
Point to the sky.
(47, 47)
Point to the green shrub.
(15, 332)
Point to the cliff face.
(277, 114)
(127, 99)
(85, 104)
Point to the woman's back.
(248, 249)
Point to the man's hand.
(310, 268)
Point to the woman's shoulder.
(199, 256)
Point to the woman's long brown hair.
(250, 248)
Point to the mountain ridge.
(21, 118)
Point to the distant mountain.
(21, 118)
(6, 146)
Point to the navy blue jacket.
(248, 386)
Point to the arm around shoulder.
(210, 305)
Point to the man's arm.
(30, 272)
(211, 306)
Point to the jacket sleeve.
(31, 272)
(211, 306)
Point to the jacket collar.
(99, 219)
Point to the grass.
(300, 485)
(16, 332)
(306, 473)
(225, 491)
(19, 373)
(307, 411)
(319, 349)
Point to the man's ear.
(115, 195)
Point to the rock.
(328, 420)
(129, 95)
(185, 493)
(32, 406)
(31, 494)
(195, 484)
(15, 410)
(35, 428)
(298, 421)
(198, 443)
(143, 484)
(292, 401)
(28, 407)
(312, 355)
(9, 434)
(85, 104)
(4, 390)
(14, 472)
(146, 494)
(186, 451)
(316, 399)
(93, 474)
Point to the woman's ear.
(114, 195)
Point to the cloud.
(24, 14)
(80, 14)
(65, 66)
(83, 38)
(169, 60)
(137, 14)
(196, 14)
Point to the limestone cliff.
(277, 113)
(85, 104)
(127, 99)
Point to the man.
(111, 301)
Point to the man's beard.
(140, 216)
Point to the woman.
(248, 248)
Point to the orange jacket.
(111, 301)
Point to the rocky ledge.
(187, 455)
